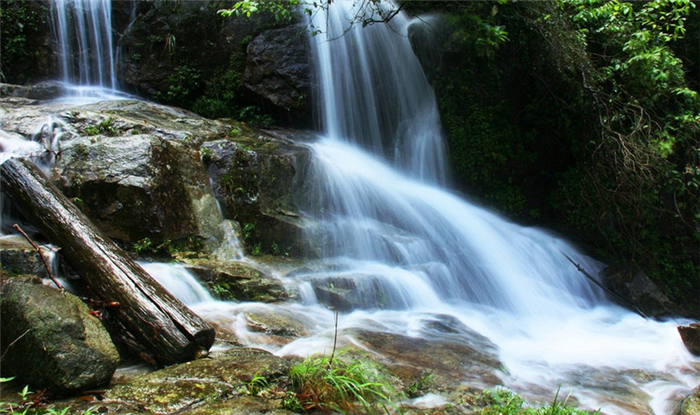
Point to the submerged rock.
(50, 340)
(450, 357)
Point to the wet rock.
(17, 256)
(41, 91)
(451, 360)
(134, 169)
(50, 340)
(237, 281)
(630, 283)
(278, 67)
(691, 337)
(218, 380)
(254, 178)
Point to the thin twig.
(608, 290)
(13, 342)
(335, 338)
(46, 264)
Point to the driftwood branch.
(158, 321)
(41, 255)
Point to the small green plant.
(105, 127)
(419, 385)
(144, 245)
(329, 383)
(205, 153)
(257, 384)
(502, 401)
(291, 402)
(222, 290)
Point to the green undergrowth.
(501, 401)
(31, 403)
(336, 383)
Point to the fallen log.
(166, 328)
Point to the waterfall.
(385, 221)
(83, 32)
(374, 93)
(379, 173)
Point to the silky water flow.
(381, 214)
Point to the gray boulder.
(50, 339)
(278, 68)
(134, 169)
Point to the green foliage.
(253, 115)
(420, 385)
(583, 114)
(329, 383)
(479, 32)
(283, 11)
(105, 127)
(27, 405)
(22, 24)
(146, 246)
(183, 84)
(257, 384)
(220, 95)
(222, 290)
(502, 401)
(641, 182)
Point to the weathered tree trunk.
(164, 326)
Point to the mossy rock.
(198, 385)
(50, 339)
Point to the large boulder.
(50, 339)
(134, 169)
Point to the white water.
(86, 53)
(84, 32)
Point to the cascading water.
(83, 32)
(408, 245)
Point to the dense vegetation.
(582, 115)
